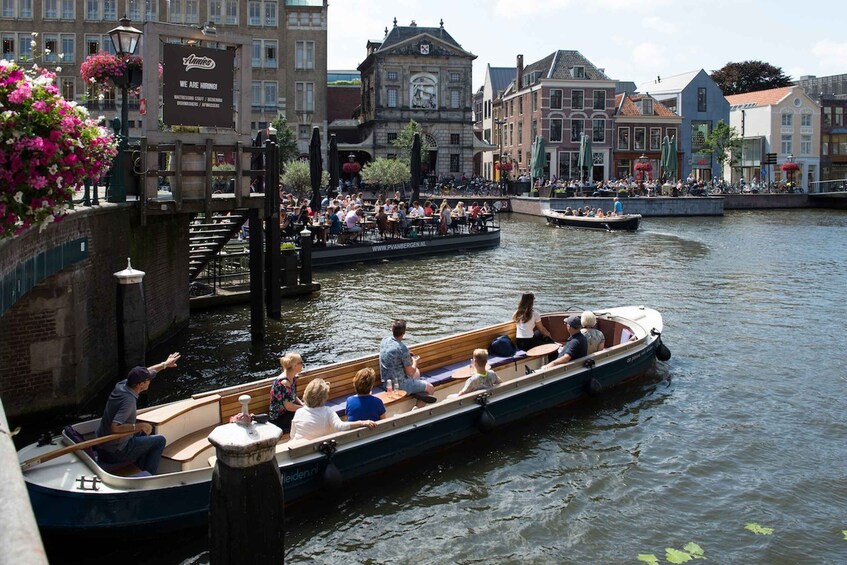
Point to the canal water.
(737, 444)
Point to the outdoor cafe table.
(389, 397)
(321, 229)
(542, 350)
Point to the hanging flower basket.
(48, 147)
(790, 167)
(351, 168)
(505, 167)
(110, 70)
(644, 167)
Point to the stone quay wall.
(59, 341)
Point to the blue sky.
(633, 40)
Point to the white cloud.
(831, 54)
(658, 24)
(519, 8)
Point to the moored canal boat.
(627, 222)
(72, 493)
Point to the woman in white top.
(315, 419)
(530, 331)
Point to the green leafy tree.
(723, 142)
(386, 172)
(749, 76)
(405, 138)
(287, 141)
(296, 177)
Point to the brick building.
(289, 50)
(830, 93)
(559, 97)
(641, 123)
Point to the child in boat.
(483, 378)
(364, 406)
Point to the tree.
(404, 141)
(723, 142)
(287, 141)
(749, 76)
(386, 172)
(296, 177)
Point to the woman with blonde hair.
(444, 217)
(596, 339)
(530, 331)
(284, 401)
(316, 419)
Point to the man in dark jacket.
(576, 345)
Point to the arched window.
(424, 92)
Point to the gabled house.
(559, 97)
(785, 121)
(422, 74)
(497, 79)
(830, 93)
(641, 123)
(699, 101)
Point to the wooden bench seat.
(186, 448)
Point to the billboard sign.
(198, 86)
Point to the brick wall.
(58, 343)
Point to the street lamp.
(125, 40)
(500, 123)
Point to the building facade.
(421, 74)
(641, 123)
(784, 121)
(830, 93)
(288, 52)
(559, 98)
(699, 101)
(497, 79)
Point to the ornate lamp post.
(125, 39)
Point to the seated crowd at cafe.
(349, 218)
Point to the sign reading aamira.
(198, 85)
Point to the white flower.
(19, 197)
(61, 55)
(101, 96)
(58, 69)
(34, 34)
(92, 80)
(47, 51)
(33, 43)
(53, 169)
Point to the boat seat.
(187, 448)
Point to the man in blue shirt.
(397, 363)
(618, 207)
(575, 347)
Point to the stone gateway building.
(421, 74)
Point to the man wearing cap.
(119, 416)
(576, 345)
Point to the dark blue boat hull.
(187, 505)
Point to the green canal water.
(737, 444)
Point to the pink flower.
(39, 106)
(38, 182)
(22, 93)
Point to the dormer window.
(645, 106)
(578, 72)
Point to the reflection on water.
(744, 424)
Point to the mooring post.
(273, 262)
(257, 277)
(305, 256)
(131, 318)
(246, 504)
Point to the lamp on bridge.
(125, 40)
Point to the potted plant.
(105, 69)
(288, 251)
(48, 148)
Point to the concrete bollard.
(246, 501)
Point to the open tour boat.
(72, 493)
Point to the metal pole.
(257, 279)
(118, 184)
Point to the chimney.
(518, 73)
